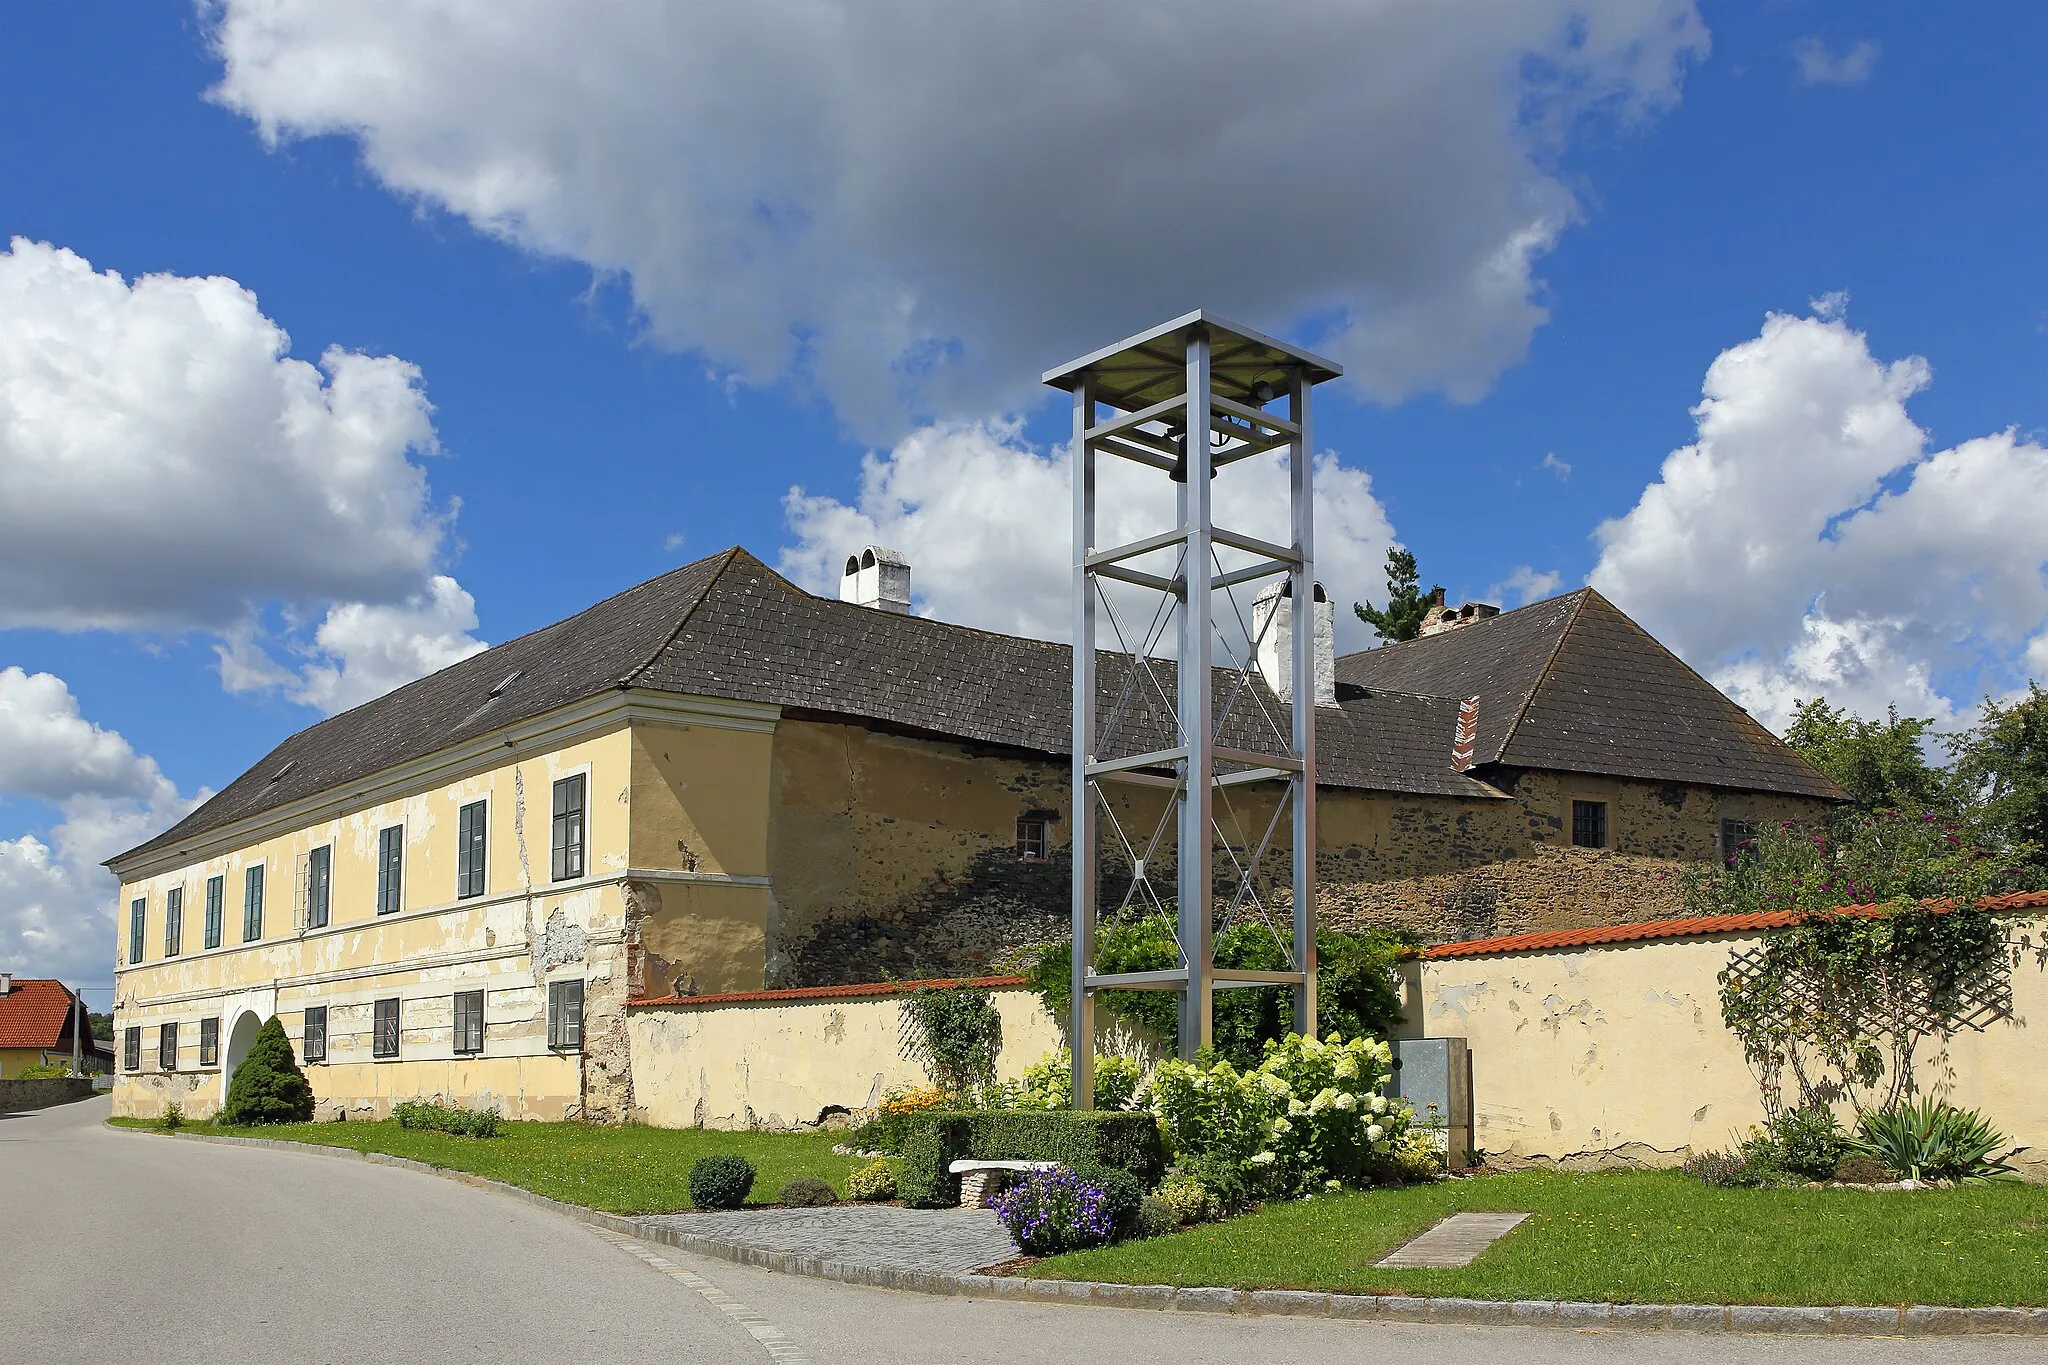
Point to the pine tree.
(268, 1086)
(1406, 604)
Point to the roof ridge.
(1507, 736)
(726, 557)
(1478, 623)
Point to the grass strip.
(1628, 1237)
(616, 1170)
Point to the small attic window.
(506, 682)
(278, 776)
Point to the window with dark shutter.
(565, 1016)
(252, 904)
(313, 1034)
(469, 1022)
(216, 893)
(319, 875)
(131, 1049)
(390, 868)
(384, 1025)
(1034, 840)
(209, 1042)
(174, 919)
(1589, 824)
(470, 825)
(167, 1047)
(567, 858)
(138, 913)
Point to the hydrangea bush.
(1309, 1115)
(1049, 1082)
(1056, 1210)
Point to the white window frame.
(264, 912)
(489, 838)
(589, 805)
(398, 892)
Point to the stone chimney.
(877, 578)
(1441, 618)
(6, 983)
(1276, 642)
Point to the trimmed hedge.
(1129, 1142)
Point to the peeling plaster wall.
(433, 947)
(1615, 1055)
(778, 1065)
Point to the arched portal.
(240, 1039)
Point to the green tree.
(1406, 605)
(268, 1086)
(2002, 761)
(1881, 764)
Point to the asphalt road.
(126, 1247)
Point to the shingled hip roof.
(730, 628)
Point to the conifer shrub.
(721, 1182)
(874, 1181)
(268, 1086)
(805, 1192)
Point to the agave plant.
(1927, 1139)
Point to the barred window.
(1738, 841)
(1589, 824)
(565, 1016)
(131, 1049)
(390, 868)
(167, 1047)
(252, 904)
(568, 828)
(469, 1021)
(319, 877)
(138, 913)
(384, 1021)
(470, 824)
(174, 919)
(1034, 836)
(209, 1042)
(216, 892)
(313, 1034)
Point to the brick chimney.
(1276, 642)
(877, 578)
(1441, 618)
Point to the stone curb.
(1918, 1320)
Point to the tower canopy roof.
(1152, 366)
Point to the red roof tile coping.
(1691, 928)
(803, 993)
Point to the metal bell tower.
(1187, 400)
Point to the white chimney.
(877, 578)
(1276, 642)
(6, 983)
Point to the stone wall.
(18, 1095)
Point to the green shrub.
(268, 1086)
(874, 1181)
(1929, 1140)
(1121, 1194)
(173, 1117)
(1861, 1170)
(1187, 1198)
(1049, 1082)
(1723, 1170)
(804, 1192)
(1156, 1218)
(1809, 1143)
(1056, 1210)
(721, 1182)
(447, 1118)
(44, 1071)
(1070, 1137)
(954, 1033)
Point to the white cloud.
(1820, 66)
(985, 521)
(1524, 585)
(56, 902)
(166, 465)
(1808, 543)
(1556, 466)
(912, 207)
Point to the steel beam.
(1198, 797)
(1301, 500)
(1081, 796)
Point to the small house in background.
(38, 1018)
(500, 883)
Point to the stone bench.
(982, 1181)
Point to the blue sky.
(594, 248)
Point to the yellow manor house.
(487, 885)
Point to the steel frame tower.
(1188, 399)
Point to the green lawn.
(1655, 1237)
(619, 1170)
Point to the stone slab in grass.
(1455, 1242)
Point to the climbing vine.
(954, 1033)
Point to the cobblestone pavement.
(951, 1241)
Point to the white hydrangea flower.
(1333, 1185)
(1264, 1159)
(1296, 1108)
(1312, 1047)
(1345, 1101)
(1282, 1126)
(1373, 1132)
(1346, 1067)
(1379, 1104)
